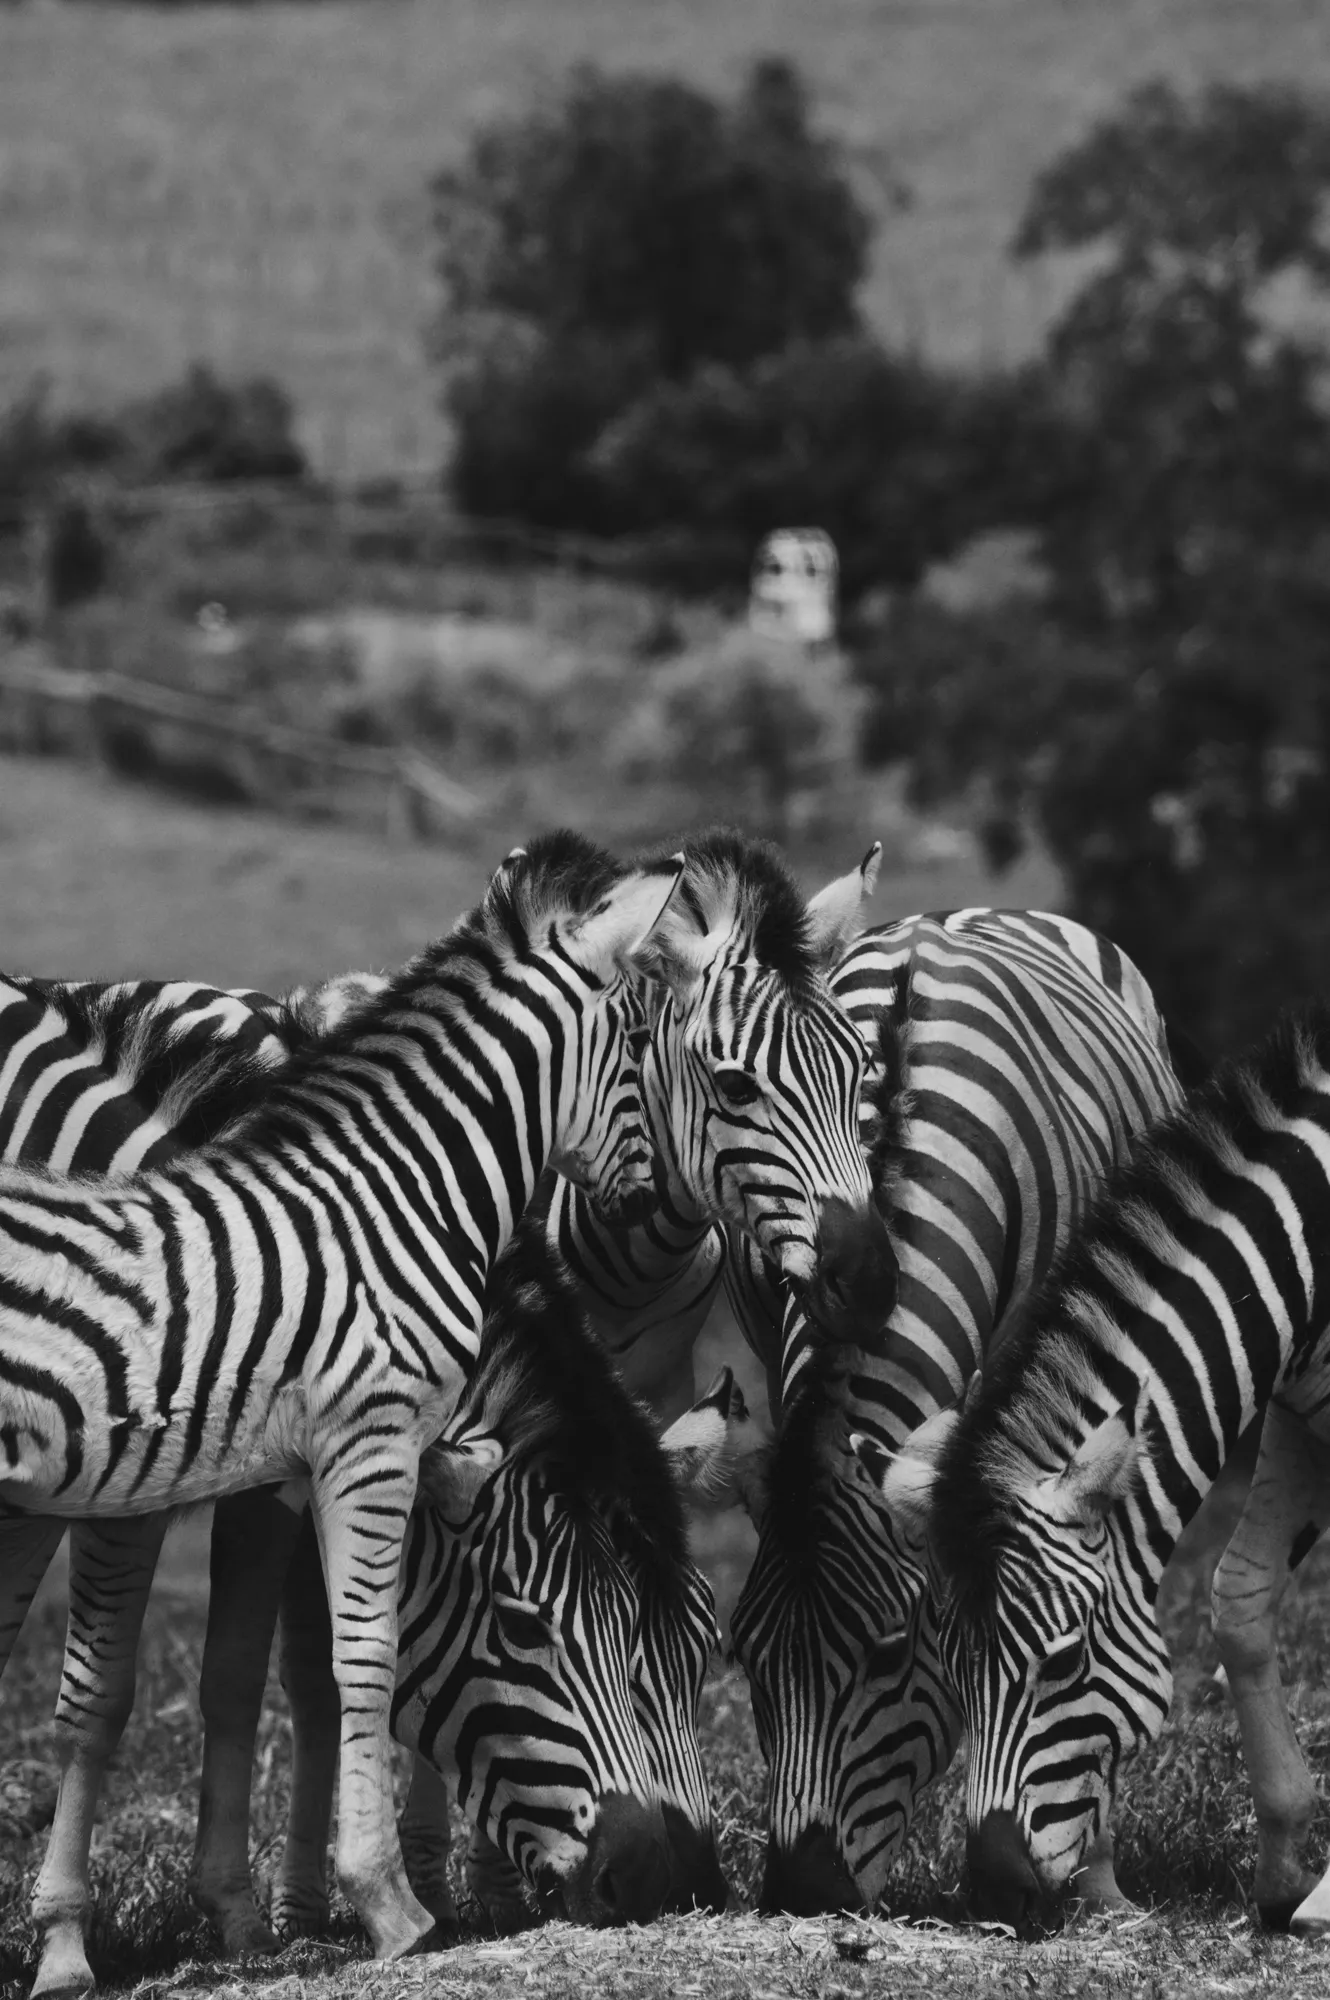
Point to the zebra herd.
(1015, 1296)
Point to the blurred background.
(395, 396)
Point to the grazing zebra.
(130, 1037)
(261, 1310)
(1018, 1054)
(1195, 1294)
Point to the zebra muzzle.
(625, 1878)
(854, 1285)
(1003, 1884)
(697, 1879)
(809, 1879)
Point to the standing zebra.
(261, 1311)
(1018, 1055)
(123, 1043)
(752, 1080)
(1196, 1294)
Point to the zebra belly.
(141, 1467)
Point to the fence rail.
(229, 750)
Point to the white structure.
(793, 592)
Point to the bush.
(630, 233)
(756, 728)
(206, 429)
(644, 211)
(839, 434)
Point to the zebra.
(260, 1311)
(755, 935)
(130, 1035)
(1017, 1056)
(1193, 1297)
(752, 1080)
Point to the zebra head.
(1048, 1633)
(836, 1629)
(754, 1072)
(570, 922)
(550, 1621)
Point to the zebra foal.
(305, 1301)
(1195, 1295)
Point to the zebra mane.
(888, 1094)
(731, 879)
(553, 874)
(1049, 1380)
(798, 1482)
(556, 874)
(546, 1388)
(178, 1067)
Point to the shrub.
(756, 728)
(204, 428)
(839, 434)
(632, 231)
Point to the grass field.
(98, 878)
(247, 185)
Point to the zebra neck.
(419, 1095)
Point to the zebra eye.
(1064, 1663)
(522, 1623)
(888, 1656)
(736, 1086)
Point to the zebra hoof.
(308, 1919)
(242, 1933)
(64, 1970)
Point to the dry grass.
(1186, 1845)
(247, 185)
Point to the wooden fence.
(223, 751)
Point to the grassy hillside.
(247, 185)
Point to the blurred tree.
(749, 725)
(638, 208)
(208, 429)
(628, 234)
(1194, 429)
(1173, 741)
(837, 433)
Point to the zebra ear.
(715, 1449)
(1102, 1471)
(904, 1478)
(836, 913)
(453, 1472)
(620, 925)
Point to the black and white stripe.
(1193, 1296)
(264, 1309)
(1017, 1056)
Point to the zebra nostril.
(607, 1890)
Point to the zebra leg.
(360, 1532)
(1094, 1886)
(1287, 1507)
(426, 1836)
(496, 1885)
(300, 1892)
(111, 1567)
(253, 1535)
(27, 1543)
